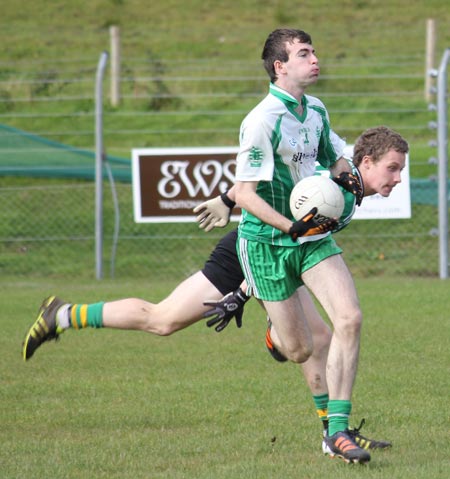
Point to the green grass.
(115, 404)
(125, 405)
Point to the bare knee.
(301, 353)
(152, 318)
(349, 324)
(162, 325)
(165, 329)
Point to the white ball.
(317, 191)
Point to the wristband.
(230, 203)
(242, 296)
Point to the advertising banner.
(169, 182)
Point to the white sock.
(62, 316)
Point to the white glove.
(214, 213)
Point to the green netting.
(25, 154)
(425, 191)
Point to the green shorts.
(273, 273)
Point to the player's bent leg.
(314, 369)
(292, 331)
(44, 328)
(273, 350)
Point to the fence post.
(430, 49)
(442, 138)
(99, 157)
(115, 65)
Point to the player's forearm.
(248, 199)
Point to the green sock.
(338, 413)
(321, 403)
(86, 315)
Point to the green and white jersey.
(278, 147)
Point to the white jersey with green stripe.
(277, 148)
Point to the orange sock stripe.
(268, 339)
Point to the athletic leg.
(183, 307)
(293, 334)
(315, 368)
(331, 282)
(220, 275)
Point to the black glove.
(351, 183)
(224, 310)
(309, 226)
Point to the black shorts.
(223, 268)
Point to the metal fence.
(47, 227)
(47, 230)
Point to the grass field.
(200, 405)
(114, 404)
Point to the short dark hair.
(376, 142)
(275, 47)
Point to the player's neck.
(295, 90)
